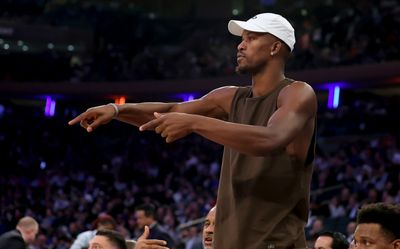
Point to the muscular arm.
(296, 106)
(215, 104)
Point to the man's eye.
(365, 243)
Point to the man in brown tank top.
(268, 132)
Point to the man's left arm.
(296, 106)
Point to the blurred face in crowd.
(142, 220)
(323, 242)
(208, 229)
(371, 235)
(29, 234)
(101, 242)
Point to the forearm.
(138, 114)
(247, 139)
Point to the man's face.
(323, 242)
(254, 52)
(370, 235)
(208, 229)
(100, 242)
(29, 235)
(142, 220)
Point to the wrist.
(116, 109)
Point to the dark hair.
(148, 209)
(386, 215)
(104, 219)
(114, 237)
(339, 241)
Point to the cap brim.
(236, 27)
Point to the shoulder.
(221, 99)
(298, 86)
(161, 232)
(225, 91)
(87, 234)
(159, 228)
(12, 239)
(299, 94)
(299, 89)
(14, 234)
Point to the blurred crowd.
(65, 177)
(130, 44)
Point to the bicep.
(215, 104)
(296, 106)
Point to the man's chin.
(207, 246)
(241, 70)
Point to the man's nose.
(210, 229)
(241, 46)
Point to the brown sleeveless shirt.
(262, 202)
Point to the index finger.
(76, 119)
(151, 125)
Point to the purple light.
(50, 107)
(186, 96)
(47, 107)
(334, 96)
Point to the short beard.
(249, 70)
(241, 71)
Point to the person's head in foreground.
(208, 229)
(105, 222)
(267, 40)
(378, 226)
(107, 239)
(331, 240)
(28, 227)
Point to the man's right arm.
(215, 104)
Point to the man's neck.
(264, 83)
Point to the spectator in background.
(350, 228)
(144, 243)
(145, 217)
(103, 222)
(107, 239)
(194, 239)
(208, 229)
(316, 228)
(331, 240)
(378, 226)
(24, 233)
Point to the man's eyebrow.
(96, 244)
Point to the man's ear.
(276, 47)
(396, 244)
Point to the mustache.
(208, 236)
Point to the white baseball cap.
(271, 23)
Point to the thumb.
(157, 114)
(145, 233)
